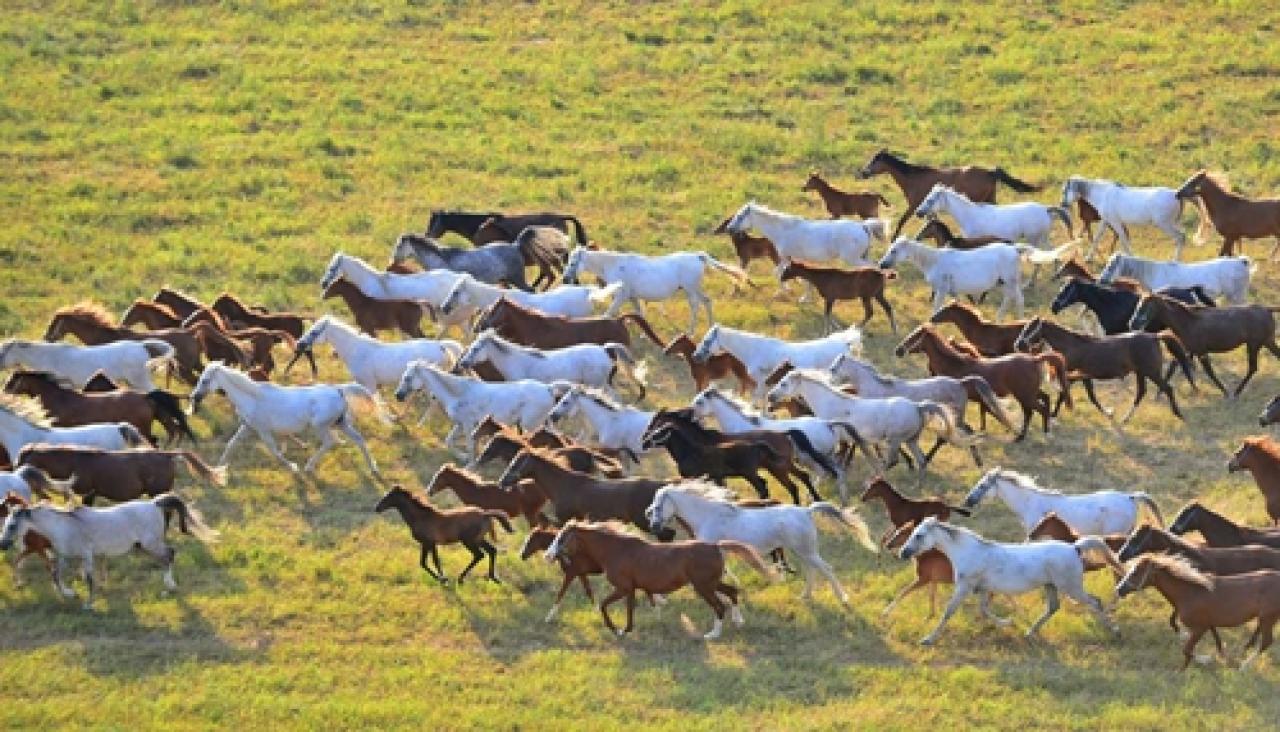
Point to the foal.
(530, 327)
(902, 510)
(432, 526)
(373, 315)
(720, 366)
(234, 311)
(471, 489)
(1051, 526)
(574, 567)
(748, 246)
(833, 283)
(1261, 457)
(863, 204)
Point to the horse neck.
(549, 476)
(342, 338)
(595, 412)
(1174, 588)
(238, 387)
(1214, 196)
(966, 320)
(922, 255)
(461, 483)
(89, 332)
(1265, 467)
(1177, 545)
(440, 381)
(364, 277)
(939, 353)
(696, 510)
(1018, 497)
(1061, 338)
(732, 416)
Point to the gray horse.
(492, 263)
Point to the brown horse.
(256, 342)
(530, 327)
(94, 326)
(149, 314)
(240, 315)
(632, 563)
(915, 181)
(1261, 457)
(932, 569)
(720, 366)
(941, 235)
(748, 246)
(1052, 527)
(218, 346)
(834, 284)
(117, 475)
(70, 408)
(1075, 268)
(903, 510)
(505, 446)
(471, 489)
(1220, 561)
(373, 315)
(179, 302)
(1218, 530)
(989, 337)
(576, 567)
(33, 542)
(1017, 375)
(433, 526)
(1234, 216)
(863, 204)
(1213, 330)
(606, 458)
(1205, 602)
(1092, 357)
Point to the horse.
(813, 240)
(373, 315)
(68, 407)
(955, 272)
(229, 307)
(1226, 277)
(571, 301)
(468, 401)
(577, 567)
(1218, 561)
(942, 235)
(1233, 216)
(33, 543)
(544, 247)
(1023, 222)
(631, 563)
(467, 223)
(87, 533)
(1205, 602)
(889, 421)
(1092, 357)
(93, 326)
(1203, 331)
(711, 513)
(717, 367)
(1219, 531)
(1017, 375)
(651, 278)
(1114, 306)
(149, 314)
(23, 422)
(268, 410)
(371, 362)
(932, 569)
(529, 327)
(431, 287)
(1098, 513)
(587, 364)
(128, 361)
(903, 510)
(492, 263)
(117, 475)
(432, 526)
(1261, 457)
(747, 246)
(1052, 527)
(992, 339)
(863, 204)
(980, 564)
(180, 303)
(615, 426)
(507, 444)
(762, 354)
(915, 181)
(29, 482)
(1121, 206)
(834, 284)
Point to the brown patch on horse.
(117, 475)
(1260, 455)
(717, 367)
(863, 204)
(67, 407)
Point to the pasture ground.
(215, 149)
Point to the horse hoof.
(927, 641)
(621, 633)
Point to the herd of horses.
(536, 360)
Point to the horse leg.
(937, 445)
(1051, 606)
(820, 564)
(1141, 391)
(86, 568)
(1027, 413)
(1076, 591)
(888, 311)
(1093, 397)
(422, 561)
(920, 582)
(1252, 351)
(1228, 247)
(729, 595)
(492, 551)
(435, 557)
(709, 595)
(1042, 405)
(780, 474)
(609, 599)
(476, 556)
(269, 440)
(350, 431)
(1188, 648)
(691, 298)
(1207, 365)
(240, 434)
(902, 221)
(984, 605)
(326, 444)
(921, 461)
(564, 587)
(957, 596)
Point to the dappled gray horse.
(492, 263)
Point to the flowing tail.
(737, 273)
(1018, 185)
(1064, 214)
(1087, 546)
(189, 519)
(989, 399)
(1173, 344)
(945, 416)
(1059, 366)
(849, 518)
(1205, 220)
(802, 443)
(42, 485)
(749, 555)
(198, 467)
(621, 356)
(639, 320)
(169, 411)
(353, 392)
(1146, 501)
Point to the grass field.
(211, 148)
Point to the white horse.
(652, 278)
(268, 410)
(571, 301)
(813, 240)
(889, 421)
(23, 422)
(1100, 513)
(1224, 276)
(1022, 222)
(589, 364)
(864, 379)
(614, 425)
(826, 437)
(981, 565)
(762, 355)
(1120, 206)
(467, 401)
(372, 362)
(86, 532)
(128, 361)
(28, 482)
(429, 288)
(712, 514)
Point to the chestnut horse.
(238, 314)
(720, 366)
(863, 204)
(932, 569)
(117, 475)
(1261, 457)
(992, 339)
(1234, 216)
(530, 327)
(915, 181)
(506, 445)
(149, 314)
(546, 438)
(748, 246)
(255, 341)
(1221, 561)
(472, 490)
(433, 526)
(834, 284)
(68, 407)
(373, 315)
(574, 567)
(902, 510)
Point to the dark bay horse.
(467, 223)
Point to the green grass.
(210, 148)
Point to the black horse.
(467, 223)
(1115, 307)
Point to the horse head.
(704, 351)
(332, 271)
(658, 512)
(1271, 413)
(1136, 578)
(1134, 545)
(306, 344)
(877, 164)
(1191, 187)
(981, 488)
(921, 539)
(1032, 333)
(739, 222)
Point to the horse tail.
(166, 403)
(849, 518)
(639, 320)
(989, 400)
(621, 356)
(1059, 366)
(189, 519)
(452, 350)
(1018, 185)
(42, 485)
(216, 476)
(946, 417)
(1087, 546)
(132, 435)
(1205, 221)
(354, 392)
(1173, 344)
(1065, 215)
(1145, 501)
(802, 443)
(748, 554)
(579, 231)
(501, 518)
(738, 274)
(606, 293)
(960, 510)
(160, 352)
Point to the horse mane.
(1023, 480)
(1265, 445)
(1218, 179)
(47, 377)
(706, 490)
(26, 409)
(740, 404)
(456, 468)
(87, 310)
(1180, 568)
(598, 396)
(898, 161)
(152, 305)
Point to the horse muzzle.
(401, 395)
(906, 552)
(1233, 466)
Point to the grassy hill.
(215, 148)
